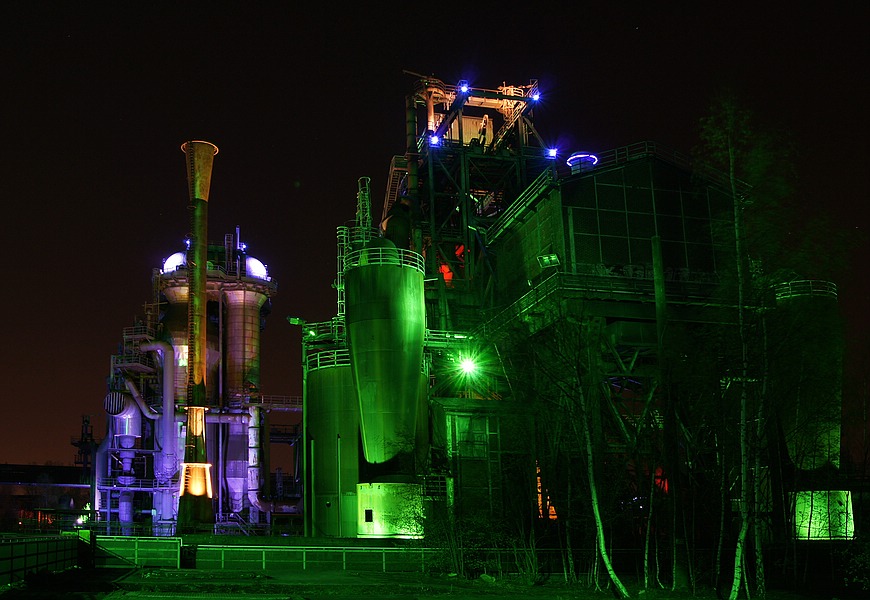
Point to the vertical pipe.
(338, 479)
(313, 491)
(254, 464)
(220, 368)
(220, 470)
(194, 505)
(166, 353)
(307, 483)
(411, 160)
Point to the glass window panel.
(579, 193)
(700, 257)
(667, 202)
(673, 255)
(670, 228)
(585, 220)
(612, 223)
(638, 199)
(641, 225)
(611, 197)
(641, 251)
(698, 231)
(695, 205)
(636, 174)
(613, 177)
(586, 247)
(614, 251)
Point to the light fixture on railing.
(548, 260)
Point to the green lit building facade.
(548, 308)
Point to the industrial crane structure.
(512, 309)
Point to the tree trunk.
(744, 370)
(649, 519)
(593, 497)
(760, 584)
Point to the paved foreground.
(154, 584)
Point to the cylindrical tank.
(174, 321)
(805, 350)
(385, 318)
(805, 346)
(332, 415)
(242, 330)
(390, 510)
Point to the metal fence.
(306, 558)
(126, 551)
(22, 555)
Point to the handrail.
(104, 483)
(273, 402)
(332, 330)
(321, 359)
(637, 150)
(805, 287)
(596, 286)
(518, 206)
(437, 338)
(384, 256)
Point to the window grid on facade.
(612, 217)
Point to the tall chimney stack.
(194, 504)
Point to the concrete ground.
(154, 584)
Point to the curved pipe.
(146, 410)
(167, 429)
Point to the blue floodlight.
(463, 86)
(434, 140)
(581, 162)
(536, 96)
(552, 152)
(582, 157)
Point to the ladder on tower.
(519, 107)
(398, 171)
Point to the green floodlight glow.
(468, 366)
(389, 510)
(823, 515)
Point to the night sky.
(96, 98)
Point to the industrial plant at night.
(539, 344)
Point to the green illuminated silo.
(805, 336)
(385, 319)
(332, 415)
(390, 510)
(805, 343)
